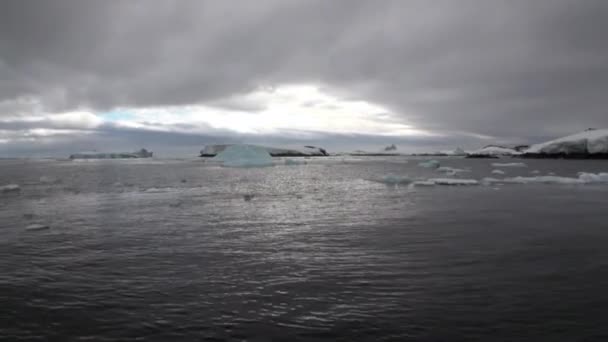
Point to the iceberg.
(143, 153)
(492, 151)
(592, 143)
(509, 165)
(305, 151)
(244, 156)
(10, 188)
(431, 164)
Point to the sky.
(173, 76)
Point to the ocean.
(186, 250)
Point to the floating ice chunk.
(509, 165)
(593, 178)
(535, 172)
(498, 172)
(36, 226)
(393, 180)
(431, 164)
(10, 188)
(588, 142)
(450, 171)
(423, 183)
(453, 181)
(244, 156)
(295, 162)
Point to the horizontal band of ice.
(305, 151)
(10, 188)
(451, 181)
(594, 141)
(583, 178)
(509, 165)
(495, 151)
(143, 153)
(401, 180)
(498, 172)
(393, 180)
(244, 156)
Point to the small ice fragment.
(450, 171)
(10, 188)
(431, 164)
(551, 173)
(535, 172)
(453, 181)
(393, 180)
(36, 226)
(509, 165)
(498, 172)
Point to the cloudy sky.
(344, 74)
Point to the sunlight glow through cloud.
(282, 109)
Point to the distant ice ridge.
(583, 178)
(592, 141)
(509, 165)
(492, 150)
(213, 150)
(143, 153)
(244, 156)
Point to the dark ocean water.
(181, 250)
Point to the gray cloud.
(515, 70)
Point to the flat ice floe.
(509, 165)
(10, 188)
(393, 180)
(583, 178)
(450, 171)
(498, 172)
(431, 164)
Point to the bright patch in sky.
(289, 109)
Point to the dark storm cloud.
(516, 70)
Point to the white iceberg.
(498, 172)
(589, 142)
(492, 150)
(431, 164)
(244, 156)
(10, 188)
(305, 151)
(509, 165)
